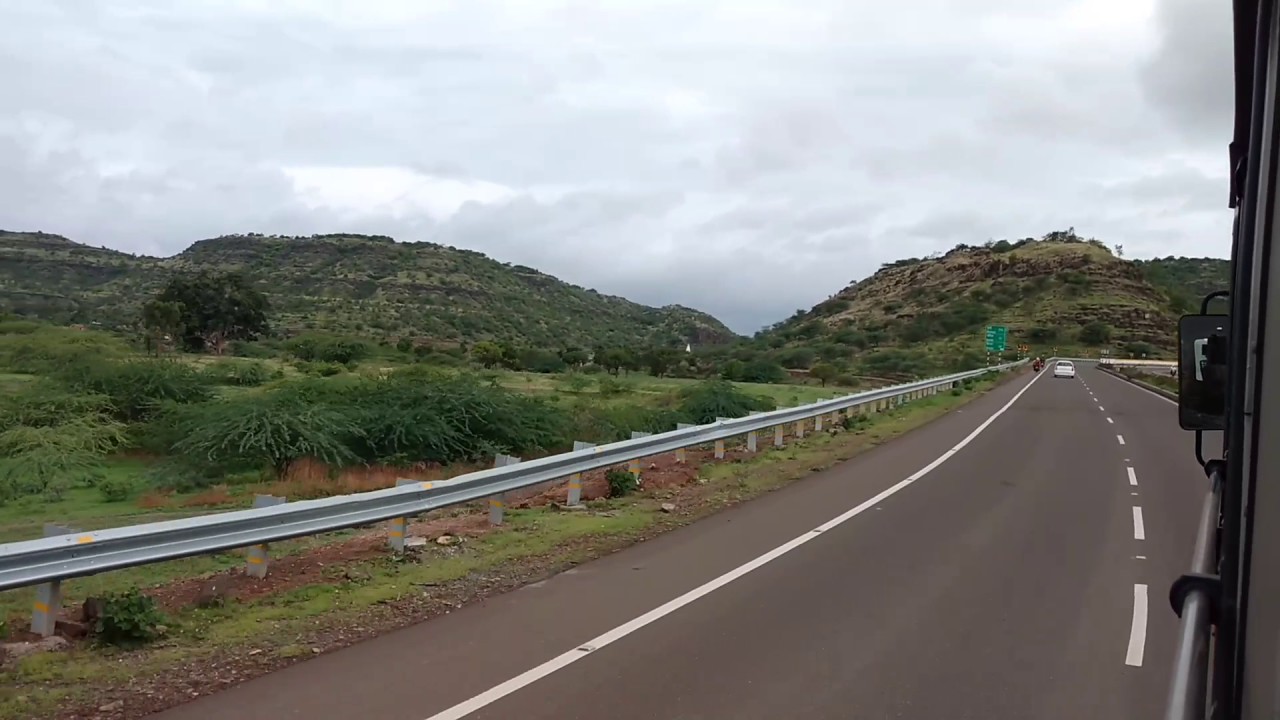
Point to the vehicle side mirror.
(1202, 372)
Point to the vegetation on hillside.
(1187, 280)
(422, 293)
(918, 316)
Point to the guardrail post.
(799, 429)
(753, 435)
(44, 610)
(498, 503)
(575, 480)
(256, 559)
(720, 443)
(680, 454)
(633, 465)
(399, 527)
(777, 435)
(817, 423)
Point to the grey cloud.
(746, 161)
(1190, 75)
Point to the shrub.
(138, 387)
(620, 482)
(610, 387)
(127, 619)
(51, 440)
(261, 431)
(329, 348)
(707, 400)
(239, 373)
(1095, 333)
(51, 349)
(116, 489)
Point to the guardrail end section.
(48, 601)
(257, 558)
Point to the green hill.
(1187, 280)
(364, 285)
(921, 315)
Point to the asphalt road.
(1011, 579)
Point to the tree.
(575, 357)
(614, 359)
(824, 372)
(216, 309)
(487, 353)
(659, 360)
(1095, 333)
(162, 324)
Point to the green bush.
(51, 349)
(1095, 333)
(237, 373)
(116, 489)
(319, 369)
(138, 387)
(329, 348)
(611, 387)
(51, 440)
(705, 401)
(127, 619)
(621, 482)
(266, 431)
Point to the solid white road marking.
(1113, 422)
(497, 692)
(1139, 532)
(1133, 477)
(1120, 438)
(1138, 631)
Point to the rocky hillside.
(367, 285)
(930, 313)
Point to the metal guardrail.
(1188, 692)
(53, 559)
(1133, 362)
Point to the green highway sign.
(997, 338)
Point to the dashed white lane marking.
(1139, 557)
(1109, 420)
(1120, 438)
(1138, 631)
(1102, 408)
(1139, 532)
(532, 675)
(1133, 476)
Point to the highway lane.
(998, 585)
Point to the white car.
(1065, 369)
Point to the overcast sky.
(745, 157)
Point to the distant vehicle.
(1065, 369)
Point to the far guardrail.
(78, 554)
(1133, 362)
